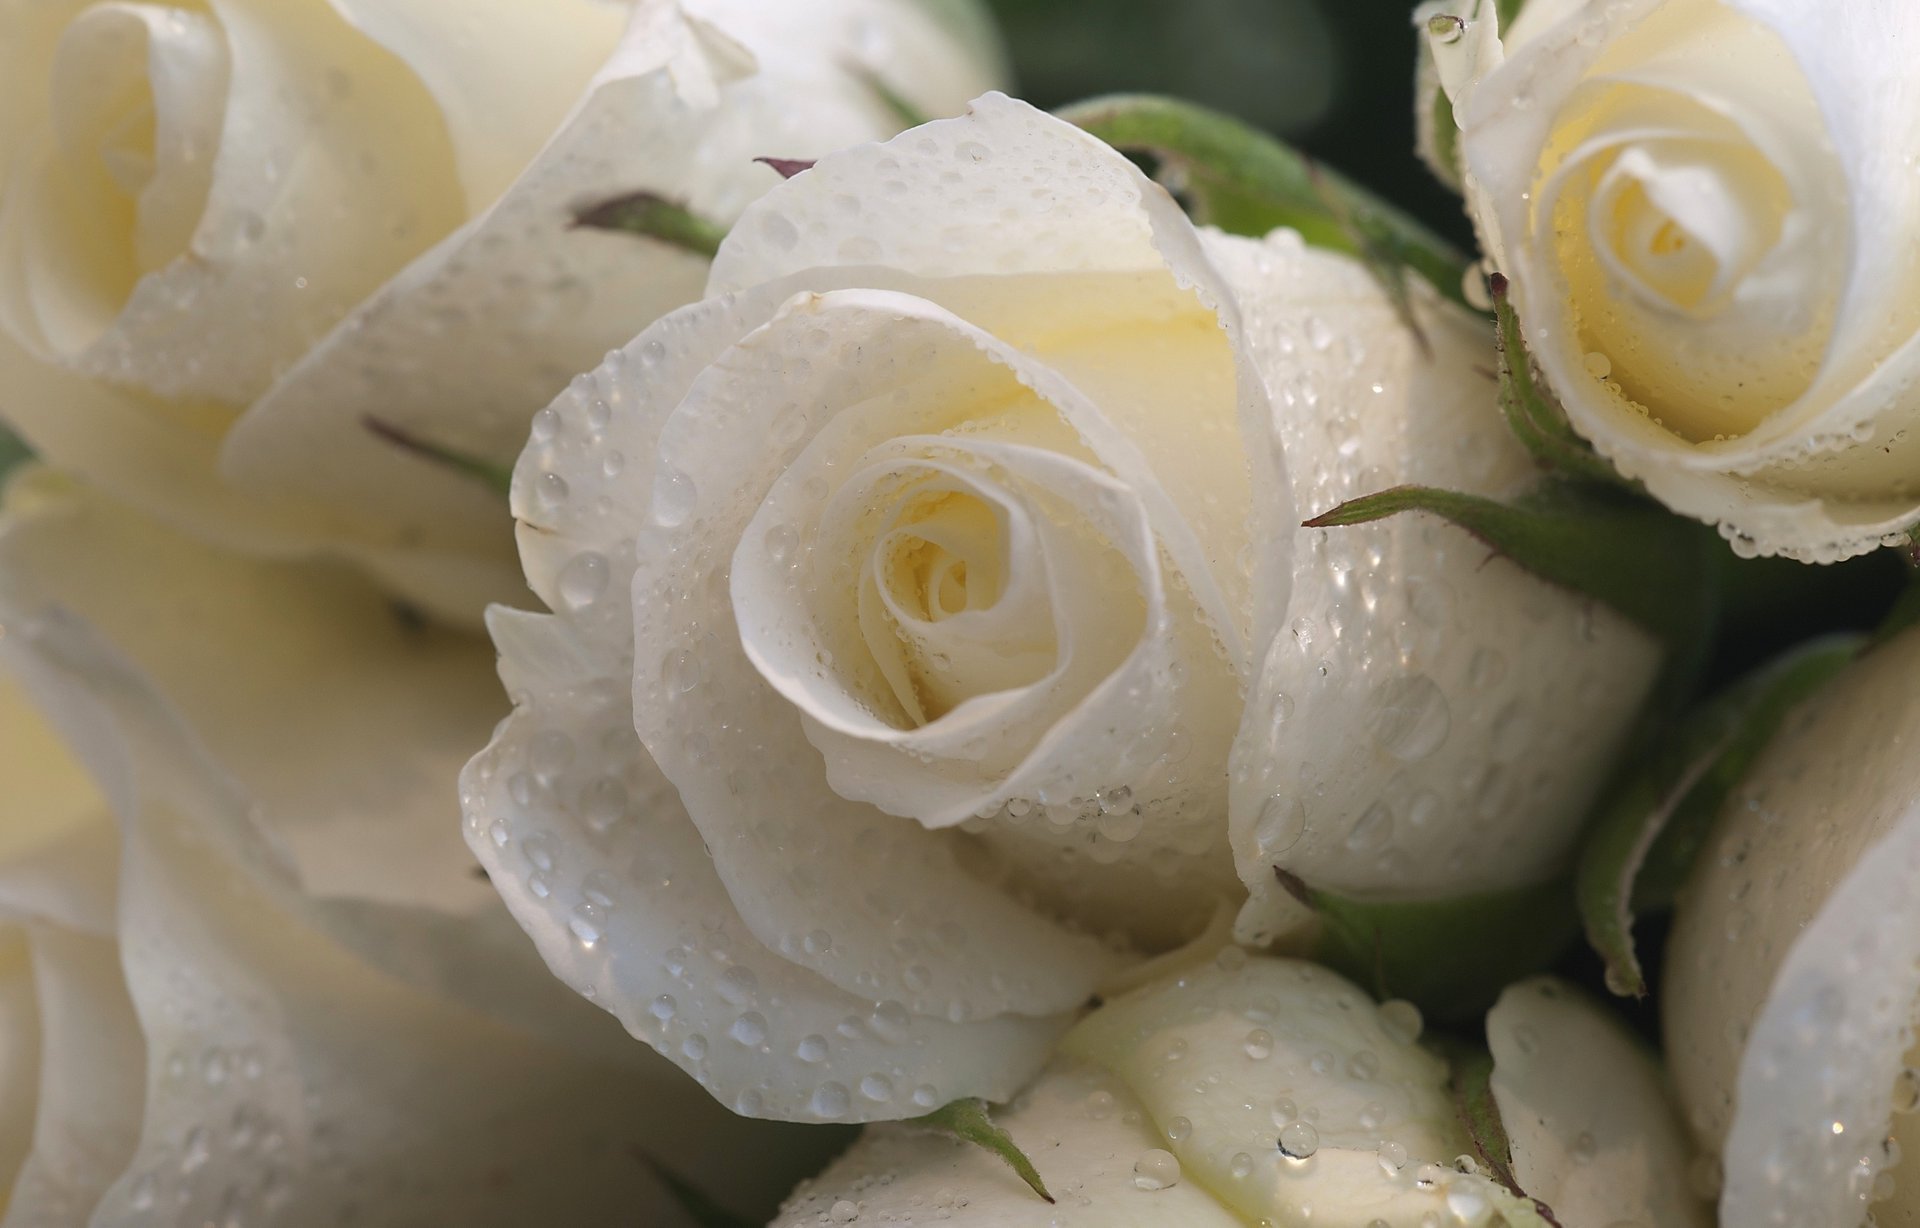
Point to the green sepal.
(496, 477)
(14, 451)
(1649, 565)
(1247, 183)
(1654, 821)
(1533, 413)
(903, 109)
(1451, 957)
(653, 216)
(699, 1206)
(1470, 1083)
(968, 1121)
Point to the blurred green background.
(1334, 77)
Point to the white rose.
(196, 203)
(1794, 964)
(1272, 1092)
(1708, 241)
(917, 593)
(244, 974)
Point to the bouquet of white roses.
(594, 595)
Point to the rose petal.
(1052, 200)
(1793, 965)
(92, 1068)
(488, 326)
(19, 1054)
(1586, 1112)
(1306, 1059)
(1079, 1125)
(464, 52)
(306, 1077)
(1361, 766)
(591, 848)
(713, 469)
(349, 682)
(275, 257)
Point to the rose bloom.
(1166, 1106)
(922, 649)
(1794, 966)
(229, 234)
(1709, 226)
(246, 974)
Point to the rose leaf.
(1246, 182)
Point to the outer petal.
(293, 231)
(347, 679)
(487, 327)
(465, 51)
(1794, 963)
(592, 849)
(93, 1064)
(1080, 1126)
(1430, 720)
(1586, 1110)
(300, 1082)
(1229, 1056)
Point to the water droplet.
(1373, 831)
(1282, 822)
(1179, 1128)
(843, 1212)
(781, 233)
(681, 672)
(1156, 1170)
(1241, 1166)
(830, 1101)
(674, 500)
(877, 1087)
(1299, 1140)
(749, 1029)
(1401, 1019)
(583, 580)
(551, 490)
(1393, 1158)
(1259, 1044)
(1410, 718)
(812, 1048)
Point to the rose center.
(931, 607)
(136, 101)
(944, 558)
(1681, 224)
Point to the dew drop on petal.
(1156, 1170)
